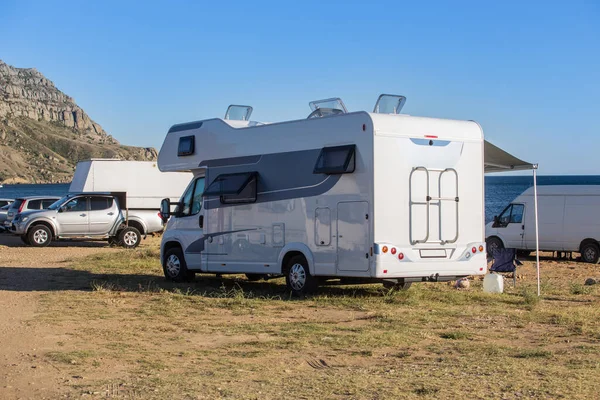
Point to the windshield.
(57, 203)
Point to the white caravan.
(568, 221)
(361, 197)
(142, 183)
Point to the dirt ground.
(82, 320)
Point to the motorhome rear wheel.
(298, 278)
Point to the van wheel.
(590, 253)
(493, 244)
(298, 278)
(130, 238)
(39, 236)
(254, 277)
(25, 240)
(174, 266)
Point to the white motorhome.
(568, 221)
(361, 197)
(143, 184)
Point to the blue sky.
(528, 72)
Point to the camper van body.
(142, 182)
(568, 221)
(357, 195)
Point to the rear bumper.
(413, 263)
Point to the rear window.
(17, 204)
(34, 205)
(47, 203)
(100, 203)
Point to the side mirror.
(165, 209)
(62, 209)
(495, 224)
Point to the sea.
(499, 190)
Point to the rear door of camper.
(353, 236)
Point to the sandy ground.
(29, 276)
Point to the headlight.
(24, 219)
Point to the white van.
(569, 221)
(361, 197)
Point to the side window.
(516, 215)
(47, 203)
(191, 201)
(34, 205)
(76, 205)
(100, 203)
(336, 160)
(504, 218)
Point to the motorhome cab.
(357, 197)
(568, 221)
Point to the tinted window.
(17, 204)
(47, 203)
(34, 205)
(3, 203)
(100, 203)
(77, 204)
(186, 146)
(336, 160)
(246, 195)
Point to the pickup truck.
(87, 215)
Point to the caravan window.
(191, 201)
(336, 160)
(234, 188)
(186, 146)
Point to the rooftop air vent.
(327, 107)
(238, 113)
(389, 104)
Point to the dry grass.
(138, 335)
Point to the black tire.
(400, 285)
(39, 236)
(590, 253)
(493, 243)
(25, 240)
(298, 278)
(174, 266)
(130, 237)
(254, 277)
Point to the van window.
(336, 160)
(513, 214)
(191, 201)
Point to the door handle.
(523, 227)
(111, 213)
(82, 215)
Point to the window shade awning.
(497, 160)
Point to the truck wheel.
(590, 253)
(174, 266)
(130, 238)
(39, 236)
(493, 244)
(25, 240)
(298, 278)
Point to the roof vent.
(327, 107)
(389, 104)
(238, 113)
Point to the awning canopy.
(497, 160)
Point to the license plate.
(433, 253)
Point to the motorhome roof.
(564, 190)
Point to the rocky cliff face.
(44, 133)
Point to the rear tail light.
(401, 256)
(474, 250)
(480, 248)
(21, 206)
(393, 251)
(384, 249)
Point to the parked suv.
(27, 204)
(80, 215)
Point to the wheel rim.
(297, 276)
(130, 238)
(493, 247)
(589, 254)
(40, 236)
(173, 265)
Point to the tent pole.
(537, 233)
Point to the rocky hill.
(44, 133)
